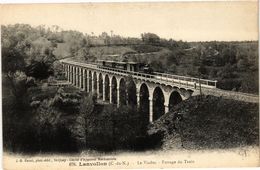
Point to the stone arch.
(175, 98)
(81, 78)
(187, 94)
(78, 77)
(95, 82)
(131, 92)
(107, 89)
(122, 92)
(85, 79)
(181, 91)
(74, 75)
(190, 92)
(144, 102)
(69, 73)
(90, 81)
(100, 85)
(114, 90)
(68, 70)
(158, 103)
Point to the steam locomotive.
(129, 66)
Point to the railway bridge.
(155, 94)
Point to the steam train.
(129, 66)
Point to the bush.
(121, 127)
(229, 84)
(56, 130)
(45, 125)
(145, 48)
(65, 102)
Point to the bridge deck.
(208, 86)
(156, 76)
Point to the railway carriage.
(129, 66)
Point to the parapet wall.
(230, 95)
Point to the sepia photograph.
(122, 85)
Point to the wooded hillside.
(34, 50)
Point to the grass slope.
(209, 123)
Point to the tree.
(172, 68)
(19, 84)
(13, 51)
(84, 54)
(25, 49)
(202, 70)
(157, 65)
(86, 105)
(75, 40)
(150, 38)
(242, 64)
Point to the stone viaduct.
(154, 94)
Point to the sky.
(187, 21)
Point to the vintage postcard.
(130, 85)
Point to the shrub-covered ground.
(43, 122)
(64, 119)
(42, 118)
(208, 123)
(53, 119)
